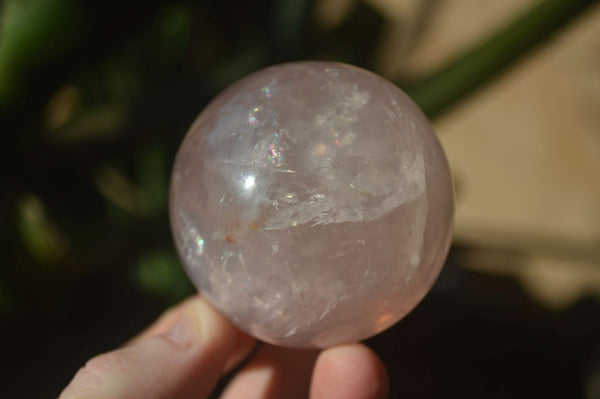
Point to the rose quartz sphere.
(312, 204)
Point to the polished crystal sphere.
(311, 203)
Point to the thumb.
(184, 362)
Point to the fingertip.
(244, 345)
(350, 371)
(198, 324)
(272, 373)
(164, 321)
(213, 327)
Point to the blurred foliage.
(26, 26)
(95, 98)
(437, 92)
(159, 273)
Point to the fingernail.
(185, 330)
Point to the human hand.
(189, 348)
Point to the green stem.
(461, 76)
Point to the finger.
(164, 322)
(273, 372)
(243, 342)
(185, 362)
(243, 345)
(351, 372)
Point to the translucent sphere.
(311, 203)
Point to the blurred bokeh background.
(96, 96)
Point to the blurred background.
(96, 96)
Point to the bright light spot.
(199, 245)
(249, 182)
(197, 242)
(266, 91)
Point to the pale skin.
(190, 347)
